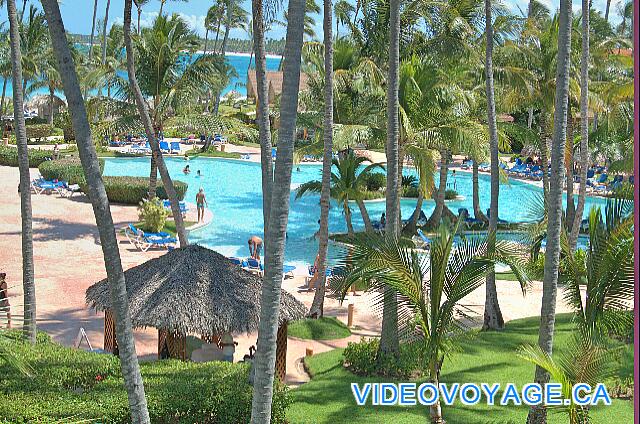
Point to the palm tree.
(346, 184)
(389, 343)
(554, 203)
(492, 314)
(584, 126)
(262, 109)
(139, 4)
(317, 307)
(105, 22)
(151, 133)
(343, 11)
(162, 2)
(209, 20)
(93, 27)
(429, 287)
(28, 282)
(49, 79)
(5, 64)
(275, 236)
(104, 220)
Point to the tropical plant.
(96, 191)
(347, 184)
(153, 214)
(28, 277)
(275, 234)
(429, 287)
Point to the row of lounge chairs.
(145, 240)
(165, 147)
(600, 184)
(255, 266)
(183, 207)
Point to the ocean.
(239, 61)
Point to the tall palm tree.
(209, 20)
(537, 414)
(139, 4)
(28, 278)
(389, 342)
(49, 79)
(317, 307)
(262, 109)
(98, 196)
(275, 236)
(105, 24)
(5, 64)
(492, 314)
(162, 2)
(346, 184)
(143, 111)
(584, 126)
(93, 27)
(343, 11)
(429, 287)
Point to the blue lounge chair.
(274, 153)
(144, 241)
(164, 147)
(484, 167)
(467, 165)
(426, 241)
(175, 147)
(48, 186)
(254, 266)
(237, 261)
(183, 206)
(287, 271)
(590, 173)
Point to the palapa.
(194, 290)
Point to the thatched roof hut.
(194, 290)
(42, 103)
(274, 84)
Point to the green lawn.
(214, 154)
(489, 357)
(169, 226)
(327, 328)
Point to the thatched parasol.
(42, 100)
(194, 290)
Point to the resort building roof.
(274, 84)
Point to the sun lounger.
(287, 271)
(43, 186)
(237, 261)
(467, 165)
(426, 241)
(175, 147)
(144, 241)
(254, 266)
(484, 167)
(274, 152)
(183, 207)
(164, 147)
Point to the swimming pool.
(234, 193)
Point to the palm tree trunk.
(98, 196)
(262, 111)
(206, 41)
(493, 319)
(250, 58)
(347, 217)
(365, 216)
(606, 11)
(227, 28)
(161, 7)
(568, 166)
(274, 257)
(389, 343)
(52, 95)
(530, 118)
(151, 133)
(554, 203)
(139, 15)
(584, 127)
(28, 277)
(153, 174)
(412, 225)
(436, 216)
(4, 92)
(24, 8)
(477, 210)
(104, 33)
(93, 27)
(215, 43)
(544, 157)
(317, 307)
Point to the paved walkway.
(68, 259)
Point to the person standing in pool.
(201, 201)
(186, 170)
(198, 174)
(255, 246)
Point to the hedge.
(72, 385)
(66, 169)
(131, 190)
(9, 156)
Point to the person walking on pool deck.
(201, 201)
(255, 246)
(5, 308)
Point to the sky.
(77, 14)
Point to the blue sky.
(77, 14)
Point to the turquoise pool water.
(233, 190)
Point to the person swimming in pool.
(198, 174)
(186, 170)
(201, 201)
(255, 246)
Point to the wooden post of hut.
(281, 352)
(172, 345)
(110, 342)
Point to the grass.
(327, 328)
(506, 276)
(212, 153)
(489, 357)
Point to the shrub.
(9, 156)
(361, 358)
(66, 169)
(376, 181)
(410, 191)
(450, 194)
(39, 132)
(409, 181)
(153, 214)
(131, 190)
(76, 385)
